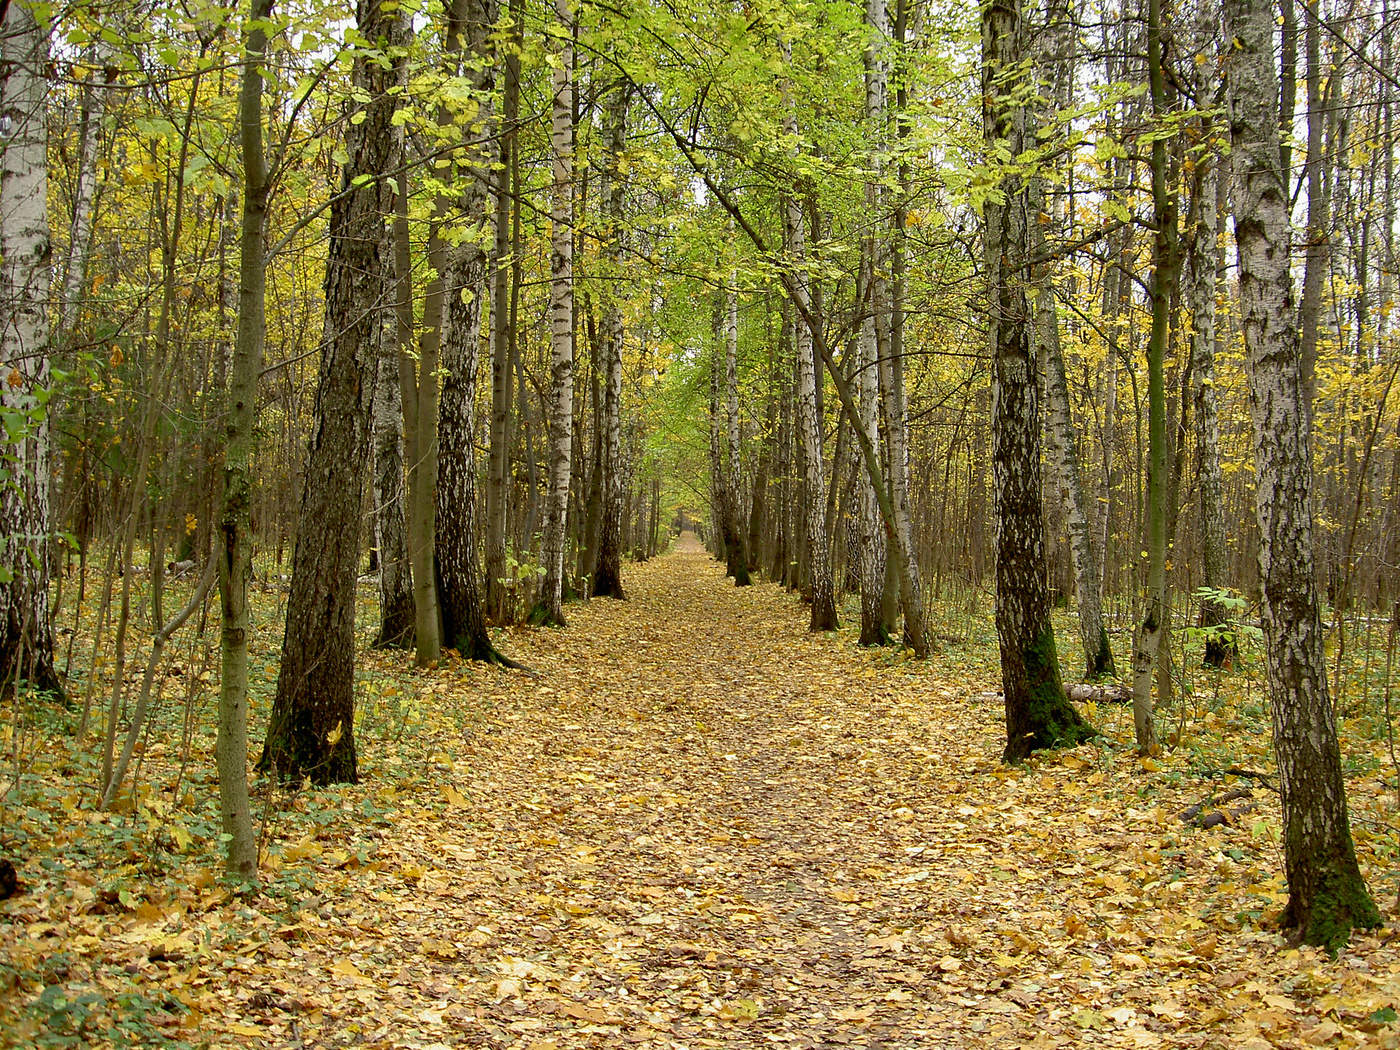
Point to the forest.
(372, 378)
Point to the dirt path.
(705, 828)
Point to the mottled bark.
(1038, 715)
(1327, 895)
(461, 601)
(26, 630)
(735, 539)
(390, 528)
(873, 334)
(1166, 265)
(499, 605)
(549, 605)
(1203, 255)
(808, 422)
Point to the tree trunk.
(236, 549)
(461, 602)
(85, 191)
(502, 335)
(311, 732)
(607, 573)
(26, 630)
(390, 538)
(809, 429)
(1204, 254)
(1166, 260)
(549, 605)
(1038, 715)
(1327, 896)
(735, 545)
(872, 548)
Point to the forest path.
(705, 827)
(705, 823)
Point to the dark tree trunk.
(311, 733)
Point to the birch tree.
(1327, 896)
(1038, 715)
(549, 605)
(26, 630)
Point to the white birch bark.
(549, 608)
(872, 539)
(1327, 895)
(26, 633)
(808, 425)
(85, 189)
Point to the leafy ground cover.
(700, 826)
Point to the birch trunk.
(1166, 266)
(235, 554)
(549, 605)
(871, 550)
(461, 601)
(1327, 895)
(26, 631)
(1053, 59)
(807, 420)
(390, 538)
(1038, 715)
(1203, 256)
(85, 190)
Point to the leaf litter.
(701, 827)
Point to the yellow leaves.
(455, 798)
(346, 968)
(738, 1010)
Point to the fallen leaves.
(703, 828)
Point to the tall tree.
(235, 532)
(461, 601)
(311, 732)
(1166, 265)
(549, 605)
(504, 296)
(1038, 715)
(1054, 46)
(607, 569)
(731, 502)
(26, 629)
(1327, 895)
(874, 332)
(807, 419)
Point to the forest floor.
(701, 826)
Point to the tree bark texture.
(390, 526)
(735, 539)
(808, 422)
(311, 732)
(26, 630)
(1327, 896)
(236, 548)
(1038, 715)
(607, 571)
(549, 606)
(461, 601)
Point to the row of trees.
(822, 242)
